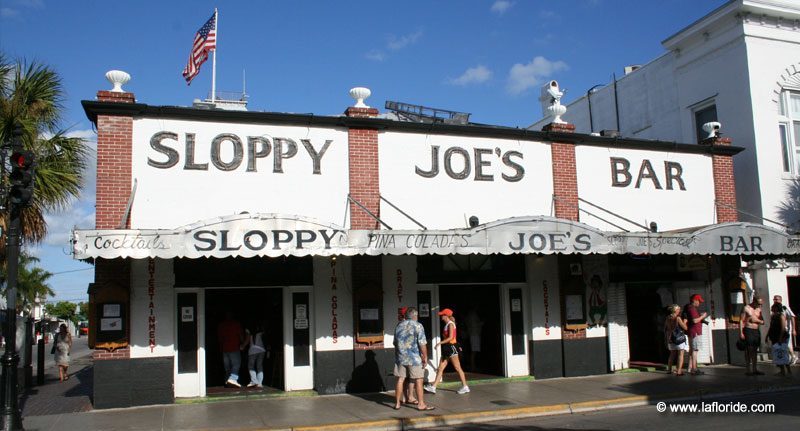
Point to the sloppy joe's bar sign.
(187, 171)
(276, 235)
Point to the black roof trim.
(94, 108)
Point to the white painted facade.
(742, 58)
(501, 178)
(185, 189)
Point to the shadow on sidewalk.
(56, 397)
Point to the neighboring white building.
(739, 65)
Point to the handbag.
(677, 337)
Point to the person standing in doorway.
(450, 351)
(791, 323)
(749, 323)
(231, 339)
(694, 322)
(63, 344)
(255, 356)
(410, 353)
(675, 333)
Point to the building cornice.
(139, 110)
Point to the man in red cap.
(694, 320)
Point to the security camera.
(712, 129)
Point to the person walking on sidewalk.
(778, 335)
(694, 321)
(410, 353)
(450, 351)
(749, 323)
(231, 338)
(255, 356)
(63, 345)
(675, 335)
(791, 325)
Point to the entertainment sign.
(274, 235)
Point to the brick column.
(364, 183)
(724, 185)
(114, 182)
(565, 179)
(365, 188)
(114, 143)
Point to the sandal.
(396, 407)
(427, 408)
(412, 403)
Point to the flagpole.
(214, 60)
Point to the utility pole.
(20, 195)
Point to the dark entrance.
(250, 307)
(646, 317)
(793, 300)
(477, 311)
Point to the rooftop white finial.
(359, 94)
(117, 78)
(551, 101)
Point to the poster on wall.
(111, 310)
(111, 324)
(300, 311)
(187, 314)
(369, 314)
(595, 278)
(424, 310)
(516, 305)
(574, 308)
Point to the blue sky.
(487, 58)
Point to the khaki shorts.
(409, 371)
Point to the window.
(789, 131)
(702, 116)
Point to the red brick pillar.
(365, 188)
(724, 185)
(114, 182)
(364, 183)
(114, 143)
(565, 179)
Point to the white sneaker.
(233, 383)
(251, 384)
(430, 388)
(463, 390)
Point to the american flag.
(205, 40)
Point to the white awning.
(272, 235)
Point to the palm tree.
(32, 284)
(31, 96)
(789, 209)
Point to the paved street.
(786, 416)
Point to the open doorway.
(249, 307)
(793, 301)
(645, 303)
(478, 319)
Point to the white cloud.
(401, 42)
(473, 75)
(376, 55)
(81, 212)
(521, 77)
(7, 12)
(501, 6)
(393, 44)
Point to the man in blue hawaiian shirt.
(411, 352)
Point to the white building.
(739, 65)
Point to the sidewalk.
(486, 402)
(55, 397)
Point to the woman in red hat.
(450, 351)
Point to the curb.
(534, 411)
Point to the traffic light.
(21, 178)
